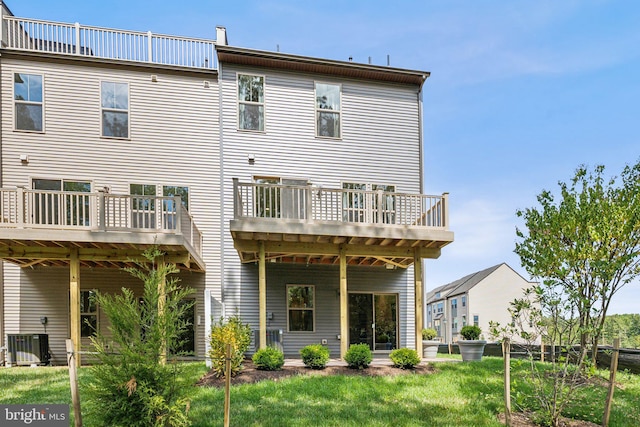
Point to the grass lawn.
(458, 394)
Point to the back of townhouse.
(283, 130)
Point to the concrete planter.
(430, 349)
(471, 350)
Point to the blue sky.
(521, 92)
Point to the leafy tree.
(132, 385)
(587, 241)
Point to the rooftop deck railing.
(80, 40)
(309, 203)
(66, 210)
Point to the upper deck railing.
(80, 40)
(68, 210)
(309, 203)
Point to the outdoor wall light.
(251, 158)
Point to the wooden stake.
(506, 353)
(612, 381)
(73, 382)
(227, 386)
(541, 351)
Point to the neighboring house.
(475, 299)
(287, 189)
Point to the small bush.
(429, 334)
(232, 332)
(404, 358)
(315, 356)
(268, 359)
(358, 356)
(470, 332)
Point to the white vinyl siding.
(73, 147)
(380, 144)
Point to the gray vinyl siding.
(45, 292)
(174, 140)
(380, 144)
(326, 281)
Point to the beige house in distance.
(287, 189)
(475, 299)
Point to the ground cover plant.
(451, 394)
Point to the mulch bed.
(250, 374)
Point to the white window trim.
(263, 103)
(316, 110)
(128, 110)
(313, 309)
(15, 101)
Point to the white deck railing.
(310, 203)
(80, 40)
(23, 208)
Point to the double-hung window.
(250, 102)
(27, 95)
(169, 209)
(88, 314)
(115, 109)
(328, 110)
(301, 308)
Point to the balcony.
(311, 225)
(108, 230)
(81, 41)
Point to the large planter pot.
(471, 350)
(430, 349)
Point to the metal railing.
(81, 40)
(309, 203)
(25, 208)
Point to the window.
(250, 102)
(464, 300)
(27, 94)
(454, 303)
(301, 308)
(454, 329)
(368, 203)
(476, 320)
(115, 109)
(74, 201)
(464, 321)
(88, 314)
(144, 207)
(168, 209)
(440, 307)
(328, 110)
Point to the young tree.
(132, 385)
(588, 241)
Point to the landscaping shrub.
(131, 385)
(404, 358)
(470, 332)
(232, 332)
(358, 356)
(268, 359)
(315, 356)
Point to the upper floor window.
(464, 301)
(454, 303)
(27, 94)
(328, 110)
(250, 102)
(115, 109)
(476, 320)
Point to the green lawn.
(458, 394)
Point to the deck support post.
(344, 304)
(74, 302)
(419, 293)
(262, 291)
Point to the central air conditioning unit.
(274, 339)
(28, 349)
